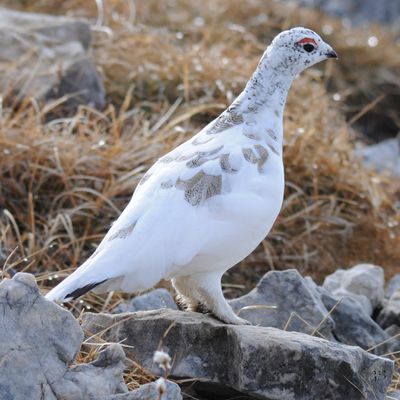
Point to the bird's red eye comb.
(307, 40)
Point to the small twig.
(107, 302)
(166, 116)
(100, 12)
(255, 307)
(367, 108)
(326, 316)
(167, 331)
(385, 341)
(4, 269)
(352, 384)
(294, 314)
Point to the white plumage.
(207, 204)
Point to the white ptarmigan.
(208, 203)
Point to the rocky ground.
(56, 61)
(306, 341)
(85, 109)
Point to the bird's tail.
(72, 287)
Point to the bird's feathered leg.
(206, 289)
(185, 293)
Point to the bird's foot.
(186, 303)
(233, 319)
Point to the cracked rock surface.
(290, 293)
(266, 363)
(39, 342)
(153, 300)
(149, 392)
(363, 282)
(390, 313)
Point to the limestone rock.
(393, 395)
(153, 300)
(392, 286)
(363, 282)
(81, 80)
(353, 326)
(39, 341)
(150, 392)
(49, 59)
(394, 330)
(290, 293)
(390, 313)
(266, 363)
(383, 156)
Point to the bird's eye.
(308, 47)
(308, 44)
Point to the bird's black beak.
(331, 54)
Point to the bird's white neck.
(262, 102)
(267, 88)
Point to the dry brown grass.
(169, 68)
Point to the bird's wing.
(164, 224)
(174, 192)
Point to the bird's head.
(295, 50)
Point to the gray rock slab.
(39, 342)
(363, 282)
(292, 296)
(353, 326)
(393, 330)
(390, 313)
(153, 300)
(266, 363)
(45, 57)
(392, 286)
(54, 28)
(82, 81)
(150, 392)
(383, 156)
(393, 395)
